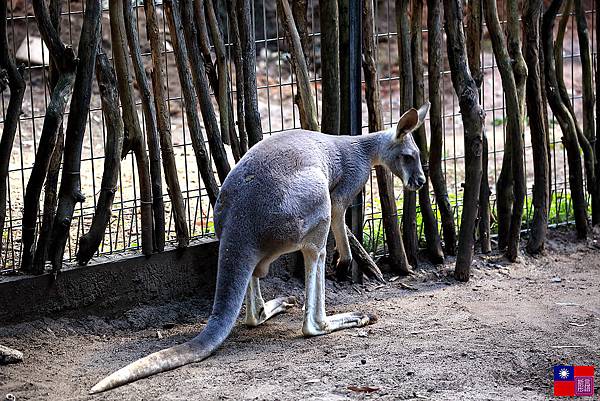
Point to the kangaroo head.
(401, 155)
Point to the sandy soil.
(494, 338)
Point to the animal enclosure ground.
(496, 337)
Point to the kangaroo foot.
(270, 309)
(337, 322)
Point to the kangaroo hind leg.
(257, 310)
(316, 322)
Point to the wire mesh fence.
(276, 93)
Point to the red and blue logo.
(570, 381)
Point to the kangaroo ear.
(411, 120)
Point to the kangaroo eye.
(408, 158)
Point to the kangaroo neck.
(372, 146)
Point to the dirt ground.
(494, 338)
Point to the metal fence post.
(350, 99)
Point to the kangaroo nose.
(420, 181)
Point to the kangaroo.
(283, 196)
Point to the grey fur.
(283, 196)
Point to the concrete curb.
(118, 283)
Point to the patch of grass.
(560, 211)
(498, 121)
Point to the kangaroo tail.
(235, 270)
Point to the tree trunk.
(535, 105)
(228, 133)
(164, 127)
(190, 103)
(217, 148)
(251, 113)
(588, 107)
(473, 119)
(438, 180)
(51, 185)
(389, 210)
(304, 99)
(133, 138)
(239, 76)
(409, 206)
(513, 83)
(158, 206)
(16, 83)
(432, 237)
(70, 186)
(55, 110)
(474, 33)
(330, 66)
(565, 121)
(107, 82)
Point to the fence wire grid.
(276, 90)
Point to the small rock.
(363, 361)
(159, 334)
(9, 355)
(556, 279)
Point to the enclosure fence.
(276, 90)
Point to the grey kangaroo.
(283, 196)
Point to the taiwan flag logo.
(572, 381)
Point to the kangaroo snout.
(415, 182)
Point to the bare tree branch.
(158, 206)
(70, 187)
(190, 102)
(107, 82)
(164, 127)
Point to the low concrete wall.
(111, 285)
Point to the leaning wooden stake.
(582, 138)
(223, 98)
(438, 179)
(64, 60)
(473, 119)
(430, 226)
(190, 102)
(51, 185)
(535, 105)
(107, 82)
(513, 83)
(474, 35)
(133, 134)
(330, 66)
(248, 51)
(70, 186)
(409, 206)
(367, 265)
(389, 210)
(240, 90)
(9, 76)
(158, 206)
(164, 127)
(565, 121)
(213, 134)
(304, 100)
(588, 106)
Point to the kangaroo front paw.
(343, 263)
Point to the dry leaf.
(363, 389)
